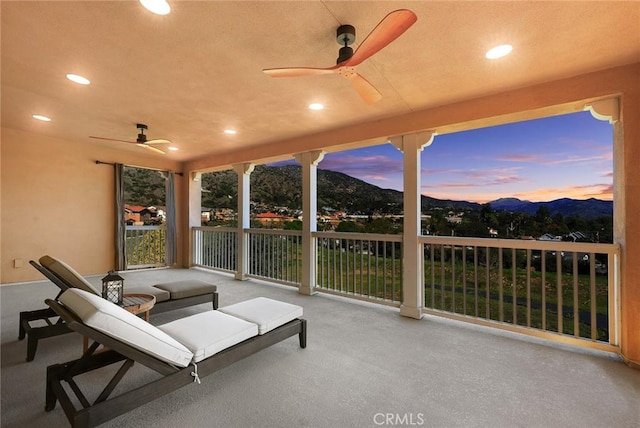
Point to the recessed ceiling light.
(499, 51)
(174, 149)
(78, 79)
(42, 118)
(230, 131)
(159, 7)
(316, 106)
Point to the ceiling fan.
(141, 140)
(390, 28)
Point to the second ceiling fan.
(141, 140)
(390, 28)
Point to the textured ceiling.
(197, 71)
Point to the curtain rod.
(99, 162)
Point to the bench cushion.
(208, 333)
(266, 313)
(188, 288)
(160, 294)
(124, 326)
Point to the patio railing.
(215, 247)
(364, 265)
(549, 289)
(553, 287)
(275, 255)
(144, 246)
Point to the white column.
(412, 263)
(609, 110)
(244, 171)
(309, 162)
(194, 215)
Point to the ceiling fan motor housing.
(345, 36)
(141, 137)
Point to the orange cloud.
(600, 191)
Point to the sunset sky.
(538, 160)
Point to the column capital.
(419, 140)
(313, 157)
(608, 109)
(244, 168)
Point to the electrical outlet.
(18, 263)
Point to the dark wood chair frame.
(105, 407)
(55, 326)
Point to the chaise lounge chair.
(168, 296)
(181, 351)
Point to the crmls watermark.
(399, 419)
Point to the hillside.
(282, 187)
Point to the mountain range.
(587, 209)
(281, 187)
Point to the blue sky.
(537, 160)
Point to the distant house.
(153, 215)
(456, 219)
(269, 219)
(132, 216)
(210, 214)
(206, 214)
(577, 236)
(331, 220)
(550, 237)
(137, 215)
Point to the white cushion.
(67, 274)
(111, 319)
(267, 313)
(208, 333)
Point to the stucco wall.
(57, 201)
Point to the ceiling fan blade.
(390, 28)
(365, 89)
(158, 141)
(297, 71)
(111, 139)
(151, 148)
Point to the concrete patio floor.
(364, 366)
